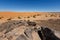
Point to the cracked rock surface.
(20, 30)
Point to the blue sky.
(30, 5)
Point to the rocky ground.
(21, 30)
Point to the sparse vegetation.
(34, 16)
(28, 17)
(1, 17)
(46, 16)
(9, 18)
(53, 15)
(19, 17)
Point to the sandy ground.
(30, 15)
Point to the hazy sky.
(30, 5)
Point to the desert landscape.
(15, 25)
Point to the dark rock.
(31, 23)
(47, 34)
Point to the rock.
(22, 37)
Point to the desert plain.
(13, 24)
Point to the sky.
(30, 5)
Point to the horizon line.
(29, 11)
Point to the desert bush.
(46, 16)
(53, 15)
(9, 18)
(34, 16)
(1, 17)
(28, 17)
(19, 17)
